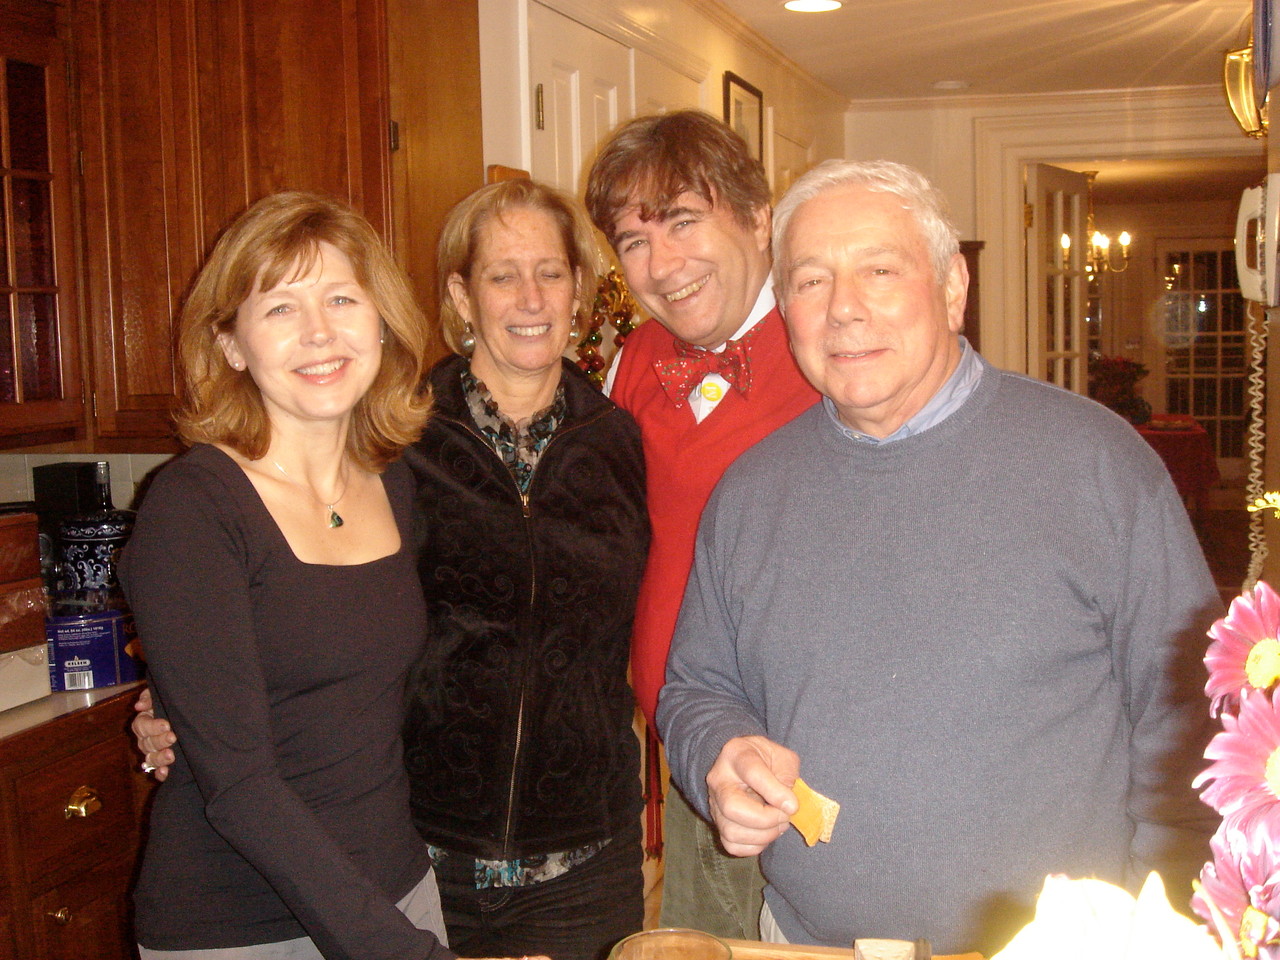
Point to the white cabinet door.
(582, 89)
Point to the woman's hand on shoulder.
(153, 737)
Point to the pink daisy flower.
(1246, 755)
(1239, 892)
(1245, 653)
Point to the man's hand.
(749, 791)
(154, 737)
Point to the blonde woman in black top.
(272, 576)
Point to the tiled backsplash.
(127, 471)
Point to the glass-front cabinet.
(40, 376)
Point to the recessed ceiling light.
(951, 85)
(812, 6)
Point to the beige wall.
(976, 150)
(127, 471)
(698, 39)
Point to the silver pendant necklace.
(335, 519)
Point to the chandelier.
(1100, 253)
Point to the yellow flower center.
(1253, 932)
(1262, 666)
(1271, 773)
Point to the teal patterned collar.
(517, 446)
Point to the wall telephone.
(1258, 242)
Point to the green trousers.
(702, 886)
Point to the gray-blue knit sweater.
(982, 640)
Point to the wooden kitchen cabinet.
(176, 115)
(6, 935)
(71, 805)
(188, 111)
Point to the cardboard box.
(19, 547)
(22, 609)
(22, 603)
(24, 675)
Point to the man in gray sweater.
(965, 604)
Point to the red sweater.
(684, 461)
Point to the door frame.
(1077, 129)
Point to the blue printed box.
(92, 650)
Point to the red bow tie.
(680, 376)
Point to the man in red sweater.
(687, 210)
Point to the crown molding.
(732, 24)
(631, 33)
(1083, 101)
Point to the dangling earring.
(574, 329)
(468, 342)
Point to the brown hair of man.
(460, 240)
(651, 160)
(277, 236)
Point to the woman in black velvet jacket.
(523, 765)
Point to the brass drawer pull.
(82, 803)
(61, 916)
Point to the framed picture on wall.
(744, 111)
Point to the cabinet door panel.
(142, 229)
(86, 917)
(40, 382)
(309, 88)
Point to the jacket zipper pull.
(524, 501)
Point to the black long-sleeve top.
(286, 812)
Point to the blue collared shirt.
(952, 395)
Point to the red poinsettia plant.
(1239, 890)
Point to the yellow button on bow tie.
(712, 391)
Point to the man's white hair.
(919, 196)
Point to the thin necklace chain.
(335, 519)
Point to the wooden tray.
(755, 950)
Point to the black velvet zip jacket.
(518, 734)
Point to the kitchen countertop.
(28, 715)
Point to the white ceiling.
(898, 49)
(886, 49)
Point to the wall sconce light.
(1237, 80)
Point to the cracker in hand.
(816, 816)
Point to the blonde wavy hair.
(278, 235)
(460, 239)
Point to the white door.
(582, 89)
(1057, 286)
